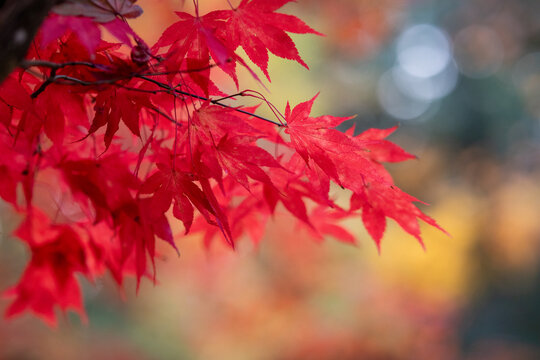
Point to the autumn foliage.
(105, 144)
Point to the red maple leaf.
(241, 159)
(326, 224)
(174, 185)
(380, 200)
(377, 148)
(192, 150)
(257, 28)
(106, 183)
(58, 252)
(138, 225)
(84, 28)
(316, 138)
(113, 105)
(192, 41)
(353, 162)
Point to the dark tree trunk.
(19, 22)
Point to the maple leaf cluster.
(130, 137)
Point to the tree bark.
(19, 22)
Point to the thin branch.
(69, 80)
(87, 83)
(165, 115)
(215, 102)
(241, 93)
(42, 88)
(25, 64)
(187, 71)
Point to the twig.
(165, 115)
(215, 102)
(25, 64)
(69, 80)
(187, 71)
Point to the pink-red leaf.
(100, 10)
(256, 27)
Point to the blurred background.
(462, 78)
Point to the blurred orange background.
(462, 78)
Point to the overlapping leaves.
(133, 143)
